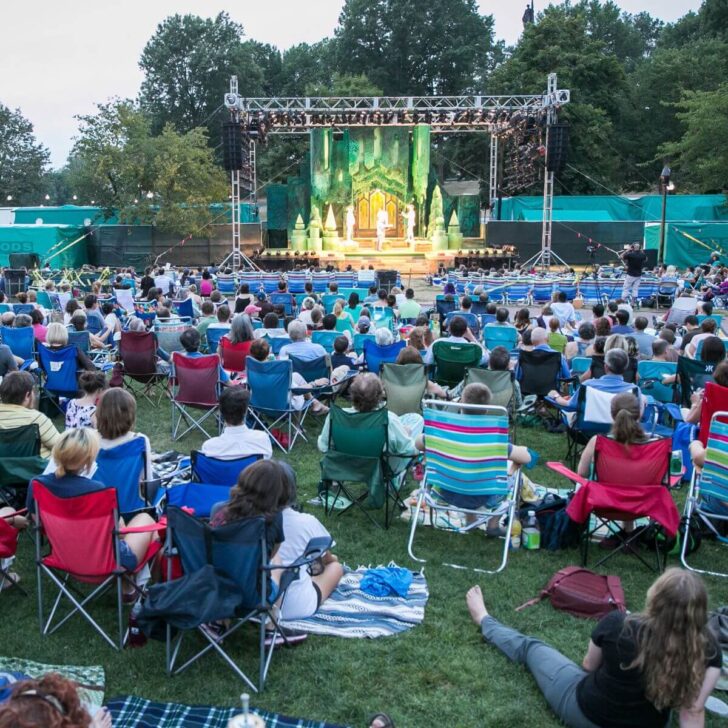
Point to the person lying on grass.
(637, 667)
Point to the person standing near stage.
(409, 219)
(382, 225)
(635, 261)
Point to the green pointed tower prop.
(298, 236)
(314, 230)
(454, 235)
(331, 236)
(436, 229)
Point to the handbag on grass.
(582, 593)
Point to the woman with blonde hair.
(72, 465)
(344, 321)
(57, 338)
(637, 667)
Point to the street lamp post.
(666, 186)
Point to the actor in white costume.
(409, 217)
(350, 222)
(382, 225)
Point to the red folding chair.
(8, 546)
(715, 399)
(629, 482)
(138, 355)
(232, 355)
(83, 536)
(195, 389)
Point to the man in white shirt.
(237, 440)
(564, 311)
(164, 282)
(299, 346)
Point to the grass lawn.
(438, 674)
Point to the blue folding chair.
(21, 342)
(270, 399)
(199, 497)
(471, 320)
(321, 282)
(326, 339)
(216, 471)
(497, 335)
(569, 288)
(541, 291)
(184, 309)
(95, 324)
(579, 364)
(592, 291)
(375, 355)
(213, 336)
(26, 308)
(329, 300)
(297, 282)
(282, 299)
(650, 375)
(226, 286)
(59, 367)
(358, 342)
(270, 282)
(123, 467)
(276, 343)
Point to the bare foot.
(102, 719)
(476, 604)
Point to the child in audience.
(80, 412)
(556, 340)
(341, 357)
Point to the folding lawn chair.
(213, 336)
(233, 356)
(497, 335)
(26, 308)
(325, 339)
(59, 368)
(359, 453)
(82, 341)
(285, 300)
(123, 468)
(579, 364)
(627, 484)
(20, 461)
(466, 454)
(92, 559)
(200, 498)
(540, 372)
(216, 471)
(21, 342)
(691, 375)
(500, 383)
(276, 343)
(375, 356)
(184, 309)
(318, 368)
(168, 337)
(471, 319)
(8, 547)
(452, 359)
(405, 386)
(195, 388)
(711, 483)
(270, 400)
(360, 339)
(650, 374)
(138, 356)
(239, 554)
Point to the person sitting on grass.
(637, 667)
(80, 412)
(479, 394)
(74, 461)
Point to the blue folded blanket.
(386, 580)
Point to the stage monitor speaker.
(232, 146)
(557, 147)
(387, 279)
(15, 281)
(24, 260)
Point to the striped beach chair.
(707, 489)
(466, 454)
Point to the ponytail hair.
(626, 414)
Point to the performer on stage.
(635, 260)
(350, 222)
(409, 216)
(382, 225)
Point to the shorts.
(127, 556)
(469, 502)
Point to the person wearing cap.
(265, 305)
(363, 325)
(252, 310)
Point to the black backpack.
(558, 531)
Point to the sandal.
(384, 721)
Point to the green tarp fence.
(45, 240)
(705, 208)
(64, 215)
(689, 244)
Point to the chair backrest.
(715, 399)
(125, 298)
(21, 341)
(23, 308)
(444, 307)
(233, 356)
(197, 380)
(184, 308)
(329, 299)
(213, 336)
(500, 383)
(714, 479)
(215, 471)
(94, 515)
(470, 319)
(466, 453)
(598, 370)
(650, 375)
(580, 364)
(593, 409)
(282, 299)
(691, 375)
(59, 366)
(168, 340)
(320, 282)
(644, 463)
(277, 343)
(325, 338)
(226, 286)
(270, 384)
(94, 322)
(542, 291)
(20, 442)
(359, 340)
(237, 550)
(359, 434)
(375, 355)
(452, 359)
(495, 335)
(297, 282)
(718, 318)
(200, 497)
(539, 371)
(270, 282)
(311, 369)
(138, 353)
(405, 386)
(81, 340)
(122, 467)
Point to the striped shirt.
(15, 415)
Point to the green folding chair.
(452, 360)
(358, 453)
(500, 384)
(20, 461)
(405, 386)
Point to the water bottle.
(676, 463)
(516, 530)
(531, 535)
(246, 719)
(136, 637)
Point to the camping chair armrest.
(315, 549)
(21, 512)
(561, 469)
(560, 407)
(161, 525)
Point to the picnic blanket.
(90, 678)
(131, 712)
(351, 612)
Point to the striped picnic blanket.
(132, 712)
(351, 612)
